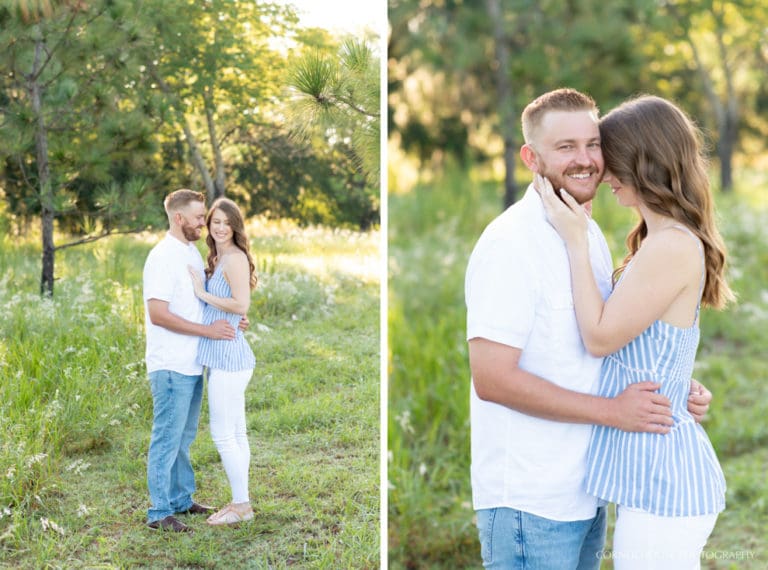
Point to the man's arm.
(161, 316)
(498, 378)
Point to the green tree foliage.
(62, 86)
(107, 105)
(335, 97)
(215, 73)
(718, 47)
(445, 67)
(474, 65)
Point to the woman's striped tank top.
(674, 474)
(223, 354)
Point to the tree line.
(107, 105)
(461, 71)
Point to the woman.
(230, 277)
(668, 488)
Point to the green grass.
(432, 231)
(76, 411)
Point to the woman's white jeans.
(226, 404)
(642, 541)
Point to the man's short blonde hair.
(180, 199)
(564, 99)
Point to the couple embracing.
(195, 317)
(581, 375)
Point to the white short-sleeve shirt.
(518, 293)
(166, 278)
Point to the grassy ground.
(432, 231)
(75, 411)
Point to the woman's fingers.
(570, 200)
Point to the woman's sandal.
(230, 515)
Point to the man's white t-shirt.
(166, 277)
(518, 293)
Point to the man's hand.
(640, 408)
(221, 330)
(698, 401)
(244, 323)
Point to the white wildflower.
(50, 525)
(77, 466)
(404, 420)
(37, 458)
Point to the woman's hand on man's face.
(564, 213)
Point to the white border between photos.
(383, 292)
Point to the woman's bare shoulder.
(673, 248)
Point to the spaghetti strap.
(703, 264)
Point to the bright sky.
(349, 16)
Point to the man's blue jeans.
(516, 540)
(177, 399)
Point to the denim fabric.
(177, 399)
(516, 540)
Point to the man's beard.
(190, 232)
(562, 181)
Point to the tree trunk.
(726, 113)
(43, 174)
(505, 102)
(219, 180)
(730, 114)
(725, 145)
(197, 158)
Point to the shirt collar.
(177, 242)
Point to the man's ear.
(529, 157)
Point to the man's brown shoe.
(198, 509)
(170, 524)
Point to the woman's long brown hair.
(652, 145)
(235, 218)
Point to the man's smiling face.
(567, 149)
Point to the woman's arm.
(237, 273)
(643, 295)
(661, 270)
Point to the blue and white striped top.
(674, 474)
(228, 355)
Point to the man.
(173, 315)
(532, 406)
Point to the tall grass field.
(432, 230)
(76, 410)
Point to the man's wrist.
(607, 412)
